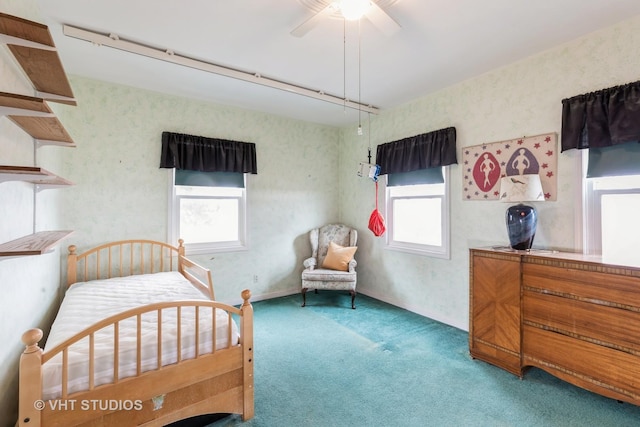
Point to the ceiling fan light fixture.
(352, 10)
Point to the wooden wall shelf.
(35, 244)
(33, 47)
(34, 116)
(34, 50)
(32, 174)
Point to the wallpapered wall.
(522, 99)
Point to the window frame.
(206, 247)
(444, 250)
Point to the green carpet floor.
(378, 365)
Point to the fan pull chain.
(359, 83)
(344, 65)
(369, 134)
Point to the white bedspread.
(89, 302)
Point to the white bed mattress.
(86, 303)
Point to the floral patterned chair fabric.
(315, 276)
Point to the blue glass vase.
(522, 221)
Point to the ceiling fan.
(351, 10)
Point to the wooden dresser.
(571, 315)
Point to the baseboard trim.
(270, 295)
(414, 309)
(374, 295)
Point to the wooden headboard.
(132, 257)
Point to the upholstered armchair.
(331, 265)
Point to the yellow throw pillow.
(338, 257)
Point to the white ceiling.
(441, 42)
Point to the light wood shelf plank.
(34, 116)
(32, 174)
(45, 128)
(14, 104)
(41, 64)
(34, 244)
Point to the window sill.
(204, 249)
(418, 250)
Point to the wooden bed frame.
(217, 382)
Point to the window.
(611, 202)
(208, 211)
(418, 217)
(417, 191)
(611, 228)
(604, 124)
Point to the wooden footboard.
(219, 381)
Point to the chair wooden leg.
(304, 297)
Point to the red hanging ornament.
(376, 220)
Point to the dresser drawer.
(611, 289)
(605, 325)
(607, 371)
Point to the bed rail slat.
(120, 251)
(131, 258)
(153, 247)
(230, 328)
(65, 371)
(159, 338)
(197, 320)
(213, 329)
(139, 343)
(91, 361)
(179, 334)
(142, 267)
(116, 352)
(109, 264)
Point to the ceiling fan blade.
(311, 23)
(381, 20)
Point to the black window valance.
(429, 150)
(603, 118)
(199, 153)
